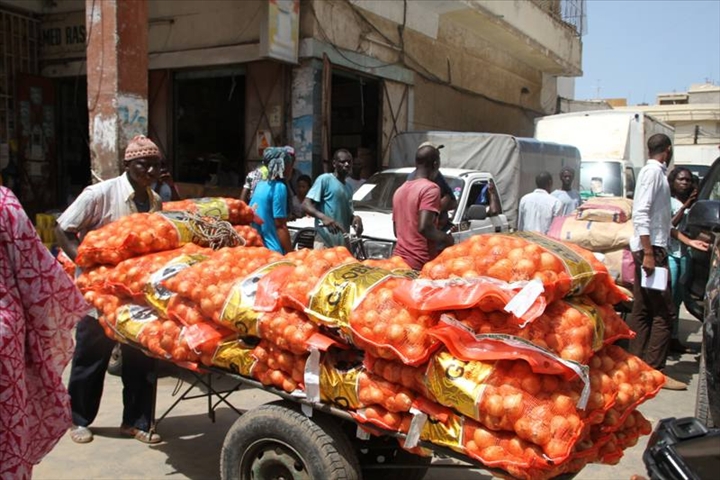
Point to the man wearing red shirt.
(416, 206)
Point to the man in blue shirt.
(270, 200)
(329, 201)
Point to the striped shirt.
(103, 203)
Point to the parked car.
(704, 218)
(702, 222)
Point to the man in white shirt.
(538, 208)
(570, 198)
(96, 206)
(652, 313)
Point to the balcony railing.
(569, 12)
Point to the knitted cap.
(141, 147)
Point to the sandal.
(81, 434)
(140, 435)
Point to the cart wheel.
(115, 364)
(388, 453)
(277, 441)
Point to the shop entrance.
(355, 118)
(73, 151)
(209, 116)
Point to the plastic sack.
(606, 209)
(573, 328)
(621, 266)
(464, 345)
(487, 294)
(592, 235)
(563, 268)
(235, 357)
(232, 210)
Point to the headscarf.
(276, 159)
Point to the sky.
(636, 49)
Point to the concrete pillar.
(307, 116)
(117, 77)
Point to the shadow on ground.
(188, 438)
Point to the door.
(36, 142)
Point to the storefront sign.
(63, 35)
(280, 30)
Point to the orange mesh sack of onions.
(130, 277)
(495, 449)
(250, 235)
(356, 302)
(353, 301)
(394, 264)
(573, 328)
(290, 330)
(143, 233)
(522, 299)
(209, 284)
(563, 268)
(633, 381)
(232, 210)
(352, 387)
(509, 396)
(93, 278)
(293, 286)
(279, 368)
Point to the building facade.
(226, 78)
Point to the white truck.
(612, 143)
(468, 162)
(696, 158)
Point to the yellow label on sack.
(579, 269)
(182, 225)
(339, 292)
(155, 292)
(238, 313)
(235, 357)
(131, 319)
(448, 434)
(456, 383)
(339, 387)
(212, 207)
(590, 311)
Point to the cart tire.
(276, 440)
(416, 470)
(115, 364)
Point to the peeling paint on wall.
(132, 118)
(302, 129)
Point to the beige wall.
(489, 83)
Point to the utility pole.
(695, 136)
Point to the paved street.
(191, 447)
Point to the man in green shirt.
(329, 201)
